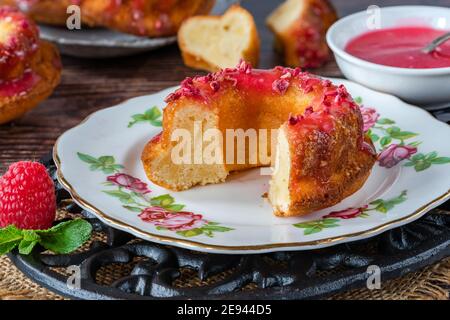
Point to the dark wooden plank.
(89, 85)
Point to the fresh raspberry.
(27, 197)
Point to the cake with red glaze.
(300, 28)
(150, 18)
(29, 68)
(321, 152)
(53, 12)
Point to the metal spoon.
(436, 43)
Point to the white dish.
(233, 217)
(420, 86)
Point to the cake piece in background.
(52, 12)
(217, 42)
(30, 69)
(300, 28)
(147, 18)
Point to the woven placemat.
(431, 283)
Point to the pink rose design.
(370, 117)
(174, 221)
(348, 213)
(129, 182)
(393, 154)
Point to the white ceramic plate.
(99, 163)
(104, 43)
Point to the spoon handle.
(436, 43)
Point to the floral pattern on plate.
(161, 211)
(390, 140)
(331, 219)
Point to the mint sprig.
(63, 238)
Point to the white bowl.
(420, 86)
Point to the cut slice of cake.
(218, 42)
(300, 28)
(312, 176)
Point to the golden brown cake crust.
(47, 66)
(250, 54)
(330, 156)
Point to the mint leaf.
(10, 237)
(358, 100)
(29, 241)
(65, 237)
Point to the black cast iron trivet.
(283, 275)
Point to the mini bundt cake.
(150, 18)
(323, 155)
(53, 12)
(218, 42)
(300, 28)
(29, 68)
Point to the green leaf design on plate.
(166, 201)
(385, 121)
(385, 141)
(386, 205)
(190, 233)
(106, 164)
(216, 228)
(124, 197)
(152, 116)
(421, 161)
(133, 209)
(316, 226)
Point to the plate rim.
(137, 43)
(249, 249)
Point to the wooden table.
(89, 85)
